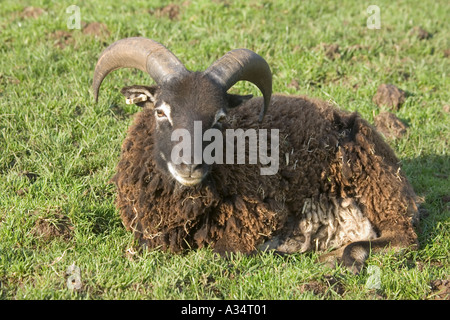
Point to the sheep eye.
(160, 113)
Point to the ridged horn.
(140, 53)
(243, 64)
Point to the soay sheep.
(337, 187)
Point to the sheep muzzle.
(188, 174)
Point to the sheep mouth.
(188, 182)
(187, 179)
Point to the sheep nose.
(191, 170)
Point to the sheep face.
(183, 110)
(183, 100)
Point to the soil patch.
(61, 39)
(420, 33)
(22, 192)
(390, 96)
(172, 11)
(294, 84)
(441, 288)
(96, 29)
(390, 125)
(323, 287)
(6, 80)
(51, 227)
(32, 12)
(331, 50)
(32, 177)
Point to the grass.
(59, 149)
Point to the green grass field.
(58, 149)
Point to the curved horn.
(140, 53)
(243, 64)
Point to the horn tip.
(266, 103)
(95, 93)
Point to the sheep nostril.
(197, 171)
(196, 167)
(192, 170)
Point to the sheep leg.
(333, 257)
(282, 245)
(355, 253)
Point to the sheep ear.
(142, 96)
(235, 100)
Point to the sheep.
(338, 188)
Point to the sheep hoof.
(332, 258)
(355, 254)
(282, 246)
(351, 256)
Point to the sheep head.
(182, 98)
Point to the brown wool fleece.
(323, 152)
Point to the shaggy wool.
(325, 154)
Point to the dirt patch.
(61, 39)
(54, 225)
(6, 80)
(294, 84)
(172, 11)
(96, 29)
(441, 289)
(357, 47)
(390, 96)
(390, 125)
(32, 12)
(22, 192)
(420, 33)
(32, 177)
(315, 287)
(331, 50)
(323, 287)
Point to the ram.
(337, 188)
